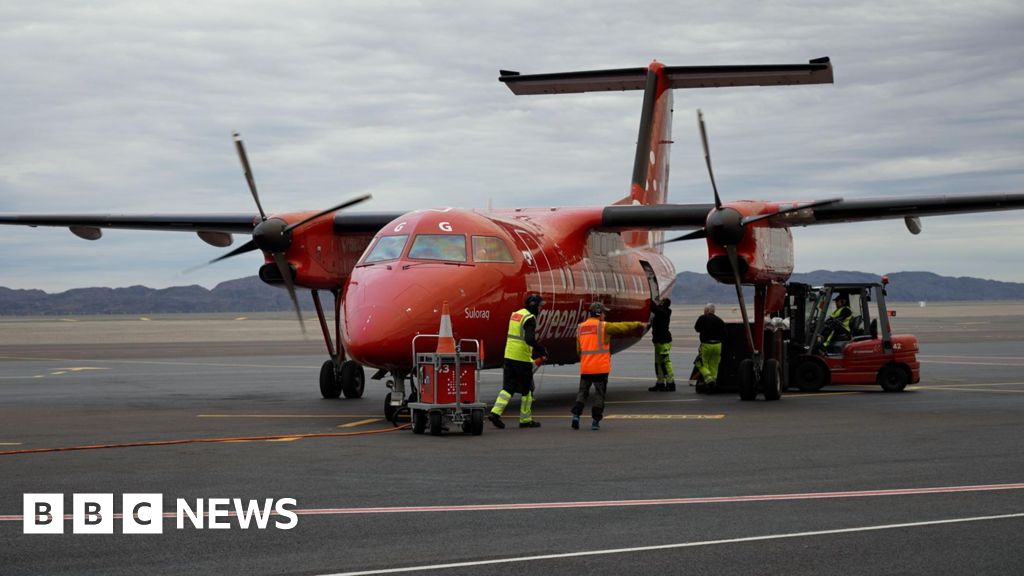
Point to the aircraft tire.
(770, 380)
(329, 386)
(810, 374)
(419, 421)
(353, 379)
(436, 422)
(745, 376)
(893, 378)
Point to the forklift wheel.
(810, 374)
(745, 376)
(893, 378)
(770, 380)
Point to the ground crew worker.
(712, 332)
(838, 324)
(593, 342)
(521, 347)
(662, 311)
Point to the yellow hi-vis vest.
(595, 351)
(516, 347)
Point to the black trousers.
(600, 383)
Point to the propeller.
(273, 235)
(725, 226)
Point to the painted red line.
(622, 503)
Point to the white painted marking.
(611, 551)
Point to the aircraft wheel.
(419, 421)
(353, 380)
(810, 374)
(770, 380)
(745, 376)
(893, 378)
(436, 421)
(329, 385)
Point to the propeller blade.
(286, 275)
(796, 208)
(247, 247)
(341, 206)
(707, 156)
(695, 235)
(731, 250)
(248, 173)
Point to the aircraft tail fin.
(649, 184)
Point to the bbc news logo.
(144, 513)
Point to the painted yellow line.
(57, 373)
(10, 443)
(1018, 364)
(360, 423)
(68, 320)
(665, 416)
(612, 378)
(644, 416)
(285, 416)
(962, 385)
(83, 368)
(975, 390)
(970, 357)
(651, 401)
(144, 319)
(817, 394)
(241, 318)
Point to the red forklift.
(819, 351)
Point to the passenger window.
(386, 248)
(490, 249)
(446, 247)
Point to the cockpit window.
(490, 249)
(387, 248)
(447, 247)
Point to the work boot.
(496, 420)
(659, 387)
(530, 424)
(670, 387)
(575, 421)
(596, 425)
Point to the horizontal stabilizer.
(817, 71)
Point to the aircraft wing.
(88, 226)
(683, 216)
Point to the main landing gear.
(337, 375)
(767, 381)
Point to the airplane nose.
(384, 310)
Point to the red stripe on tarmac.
(621, 503)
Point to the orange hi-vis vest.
(595, 353)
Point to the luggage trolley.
(447, 389)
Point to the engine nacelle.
(764, 255)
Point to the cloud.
(129, 106)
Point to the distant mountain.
(695, 288)
(252, 295)
(242, 295)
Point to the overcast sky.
(128, 107)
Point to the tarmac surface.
(850, 480)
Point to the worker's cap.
(841, 296)
(597, 308)
(534, 300)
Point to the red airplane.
(390, 272)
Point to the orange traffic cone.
(445, 339)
